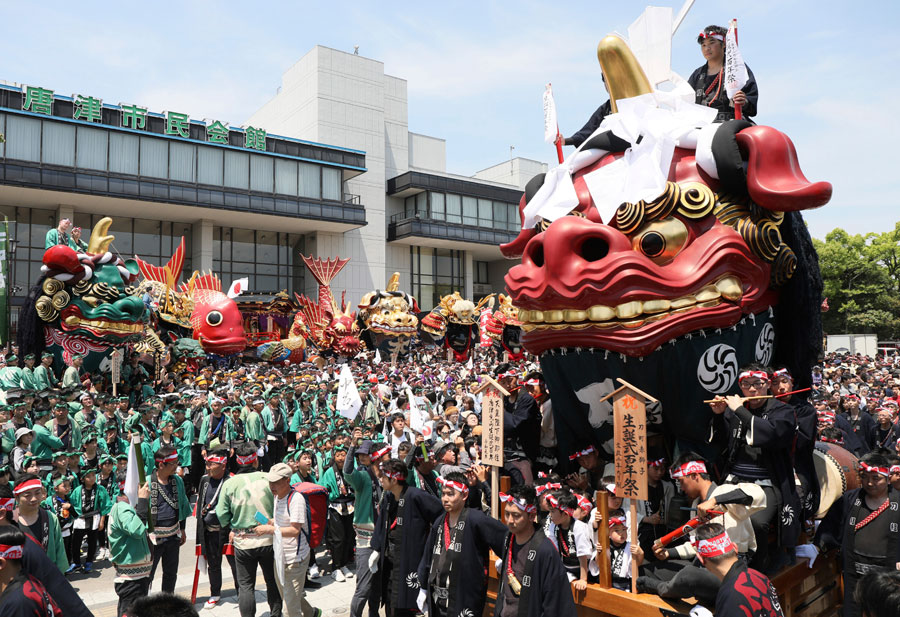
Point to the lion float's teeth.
(730, 288)
(634, 313)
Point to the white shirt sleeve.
(584, 539)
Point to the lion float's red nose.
(569, 244)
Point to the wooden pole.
(495, 492)
(603, 540)
(634, 538)
(738, 111)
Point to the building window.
(481, 273)
(462, 210)
(435, 273)
(269, 259)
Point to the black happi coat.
(210, 514)
(838, 529)
(771, 428)
(546, 591)
(747, 593)
(464, 562)
(804, 444)
(413, 513)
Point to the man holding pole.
(708, 81)
(128, 548)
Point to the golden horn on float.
(623, 73)
(99, 242)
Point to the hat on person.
(278, 472)
(22, 431)
(365, 447)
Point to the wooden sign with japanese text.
(492, 428)
(115, 362)
(630, 416)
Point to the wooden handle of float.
(758, 398)
(634, 538)
(605, 579)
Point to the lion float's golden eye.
(661, 240)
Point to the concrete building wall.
(345, 100)
(516, 172)
(427, 153)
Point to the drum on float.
(836, 470)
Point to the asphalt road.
(99, 594)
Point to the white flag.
(132, 476)
(377, 358)
(470, 363)
(551, 129)
(348, 401)
(735, 71)
(238, 287)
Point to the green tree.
(858, 284)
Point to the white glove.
(373, 562)
(420, 600)
(807, 550)
(700, 611)
(498, 564)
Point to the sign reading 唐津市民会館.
(38, 100)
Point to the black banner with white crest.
(680, 374)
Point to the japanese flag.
(551, 129)
(735, 71)
(238, 287)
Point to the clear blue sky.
(826, 70)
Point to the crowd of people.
(406, 515)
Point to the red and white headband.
(11, 552)
(7, 503)
(660, 462)
(610, 488)
(689, 468)
(519, 503)
(214, 458)
(715, 547)
(246, 460)
(381, 452)
(584, 452)
(837, 442)
(895, 468)
(712, 35)
(881, 471)
(169, 459)
(27, 486)
(457, 486)
(394, 475)
(540, 489)
(533, 382)
(616, 520)
(782, 372)
(584, 503)
(554, 503)
(747, 374)
(509, 373)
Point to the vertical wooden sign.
(630, 425)
(492, 434)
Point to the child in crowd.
(573, 539)
(622, 552)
